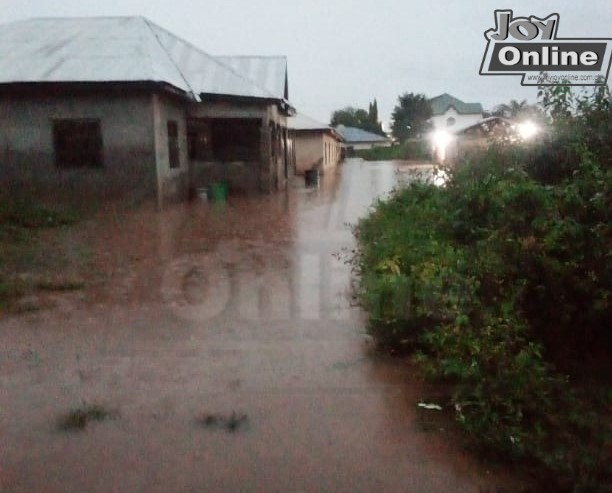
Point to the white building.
(452, 114)
(316, 145)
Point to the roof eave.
(85, 86)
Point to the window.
(173, 145)
(199, 141)
(77, 143)
(450, 121)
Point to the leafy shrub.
(410, 150)
(28, 213)
(501, 280)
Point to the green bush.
(501, 281)
(410, 150)
(29, 213)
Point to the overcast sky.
(348, 52)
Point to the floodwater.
(206, 310)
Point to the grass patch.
(410, 150)
(13, 290)
(58, 285)
(231, 424)
(77, 419)
(10, 291)
(31, 214)
(26, 261)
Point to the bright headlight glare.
(441, 138)
(527, 129)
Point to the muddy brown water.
(206, 312)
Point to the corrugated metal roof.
(484, 121)
(205, 73)
(303, 122)
(114, 49)
(355, 135)
(441, 103)
(269, 72)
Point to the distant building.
(316, 145)
(452, 114)
(118, 106)
(355, 139)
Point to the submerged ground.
(223, 341)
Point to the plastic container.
(311, 177)
(202, 193)
(218, 192)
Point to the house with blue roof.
(356, 139)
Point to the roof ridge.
(211, 57)
(148, 24)
(252, 56)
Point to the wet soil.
(226, 338)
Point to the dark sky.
(347, 52)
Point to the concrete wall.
(172, 183)
(27, 157)
(311, 151)
(461, 121)
(333, 153)
(278, 174)
(134, 145)
(262, 173)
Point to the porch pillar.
(265, 158)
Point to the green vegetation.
(21, 222)
(232, 423)
(77, 419)
(29, 214)
(410, 150)
(359, 118)
(499, 284)
(411, 116)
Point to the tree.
(349, 117)
(519, 110)
(410, 117)
(358, 118)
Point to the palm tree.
(512, 109)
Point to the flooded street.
(208, 310)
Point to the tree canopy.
(410, 117)
(359, 118)
(519, 110)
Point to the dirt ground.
(224, 343)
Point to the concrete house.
(452, 114)
(355, 139)
(118, 106)
(317, 145)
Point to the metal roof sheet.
(205, 73)
(355, 135)
(114, 49)
(269, 72)
(303, 122)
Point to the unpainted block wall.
(172, 183)
(27, 157)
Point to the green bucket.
(218, 192)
